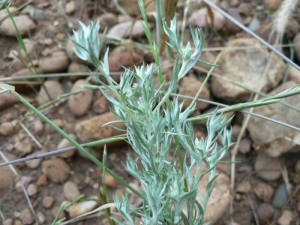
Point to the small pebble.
(244, 187)
(264, 192)
(56, 170)
(135, 186)
(9, 128)
(82, 207)
(26, 216)
(285, 218)
(71, 190)
(38, 127)
(70, 7)
(8, 221)
(65, 144)
(280, 197)
(47, 201)
(37, 14)
(245, 146)
(265, 213)
(55, 211)
(23, 147)
(254, 25)
(32, 189)
(18, 222)
(35, 163)
(42, 181)
(110, 181)
(41, 217)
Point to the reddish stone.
(42, 181)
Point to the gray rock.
(82, 207)
(32, 189)
(54, 89)
(123, 30)
(57, 62)
(47, 201)
(131, 7)
(272, 171)
(219, 200)
(92, 129)
(7, 100)
(272, 5)
(230, 26)
(245, 146)
(285, 218)
(265, 213)
(38, 127)
(64, 143)
(296, 42)
(270, 136)
(245, 8)
(4, 14)
(35, 163)
(80, 103)
(70, 7)
(26, 216)
(189, 86)
(71, 190)
(37, 14)
(254, 24)
(41, 217)
(245, 66)
(23, 147)
(56, 169)
(30, 46)
(280, 197)
(264, 192)
(107, 20)
(294, 74)
(17, 64)
(101, 105)
(9, 128)
(199, 18)
(25, 25)
(6, 180)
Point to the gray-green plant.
(153, 121)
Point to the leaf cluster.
(153, 121)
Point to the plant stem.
(73, 142)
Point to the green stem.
(73, 142)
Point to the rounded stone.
(80, 103)
(25, 26)
(56, 169)
(71, 190)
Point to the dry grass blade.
(243, 129)
(281, 18)
(253, 34)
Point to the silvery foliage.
(151, 129)
(6, 3)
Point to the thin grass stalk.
(102, 189)
(185, 13)
(22, 44)
(281, 18)
(252, 33)
(159, 4)
(60, 151)
(73, 142)
(243, 129)
(204, 82)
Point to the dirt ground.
(247, 206)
